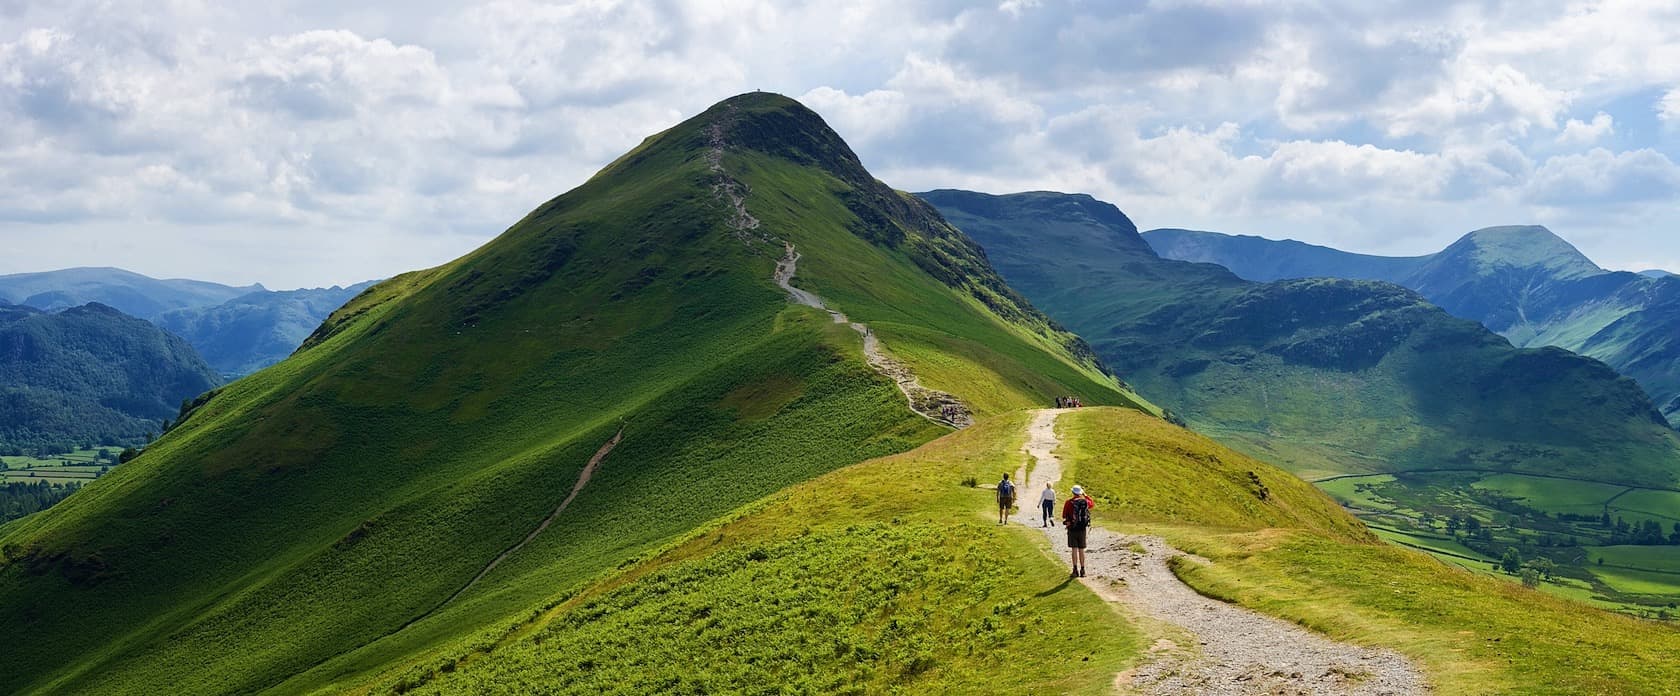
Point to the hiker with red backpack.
(1076, 516)
(1005, 499)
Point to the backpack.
(1006, 490)
(1081, 513)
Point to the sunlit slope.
(891, 574)
(1471, 634)
(308, 522)
(1321, 376)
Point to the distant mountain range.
(1325, 376)
(1525, 283)
(238, 330)
(91, 375)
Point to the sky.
(309, 143)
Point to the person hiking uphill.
(1076, 516)
(1005, 499)
(1047, 503)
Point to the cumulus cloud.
(1578, 132)
(298, 142)
(1599, 176)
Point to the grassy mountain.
(255, 330)
(1525, 283)
(131, 293)
(327, 517)
(890, 576)
(90, 375)
(1326, 376)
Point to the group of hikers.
(949, 412)
(1076, 516)
(1069, 402)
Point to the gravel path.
(929, 403)
(1234, 651)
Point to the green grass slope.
(1323, 376)
(306, 525)
(1470, 633)
(892, 576)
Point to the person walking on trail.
(1076, 516)
(1005, 498)
(1047, 503)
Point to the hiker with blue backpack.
(1005, 498)
(1076, 516)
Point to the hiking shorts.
(1006, 503)
(1076, 537)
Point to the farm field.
(1470, 519)
(81, 465)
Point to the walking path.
(583, 480)
(932, 404)
(1236, 651)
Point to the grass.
(882, 577)
(81, 465)
(301, 529)
(1473, 634)
(1529, 513)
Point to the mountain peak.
(1524, 246)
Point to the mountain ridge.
(438, 409)
(1524, 282)
(1320, 375)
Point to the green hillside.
(89, 375)
(891, 576)
(1322, 376)
(1523, 282)
(309, 522)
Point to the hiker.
(1047, 503)
(1076, 516)
(1006, 499)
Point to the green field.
(81, 465)
(1528, 513)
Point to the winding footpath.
(583, 480)
(931, 404)
(1234, 650)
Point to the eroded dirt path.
(583, 480)
(932, 404)
(1214, 648)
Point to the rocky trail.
(932, 404)
(1215, 647)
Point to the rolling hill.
(1525, 283)
(90, 375)
(461, 445)
(1324, 376)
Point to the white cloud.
(386, 132)
(1599, 176)
(1577, 132)
(1668, 108)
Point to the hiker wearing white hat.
(1076, 516)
